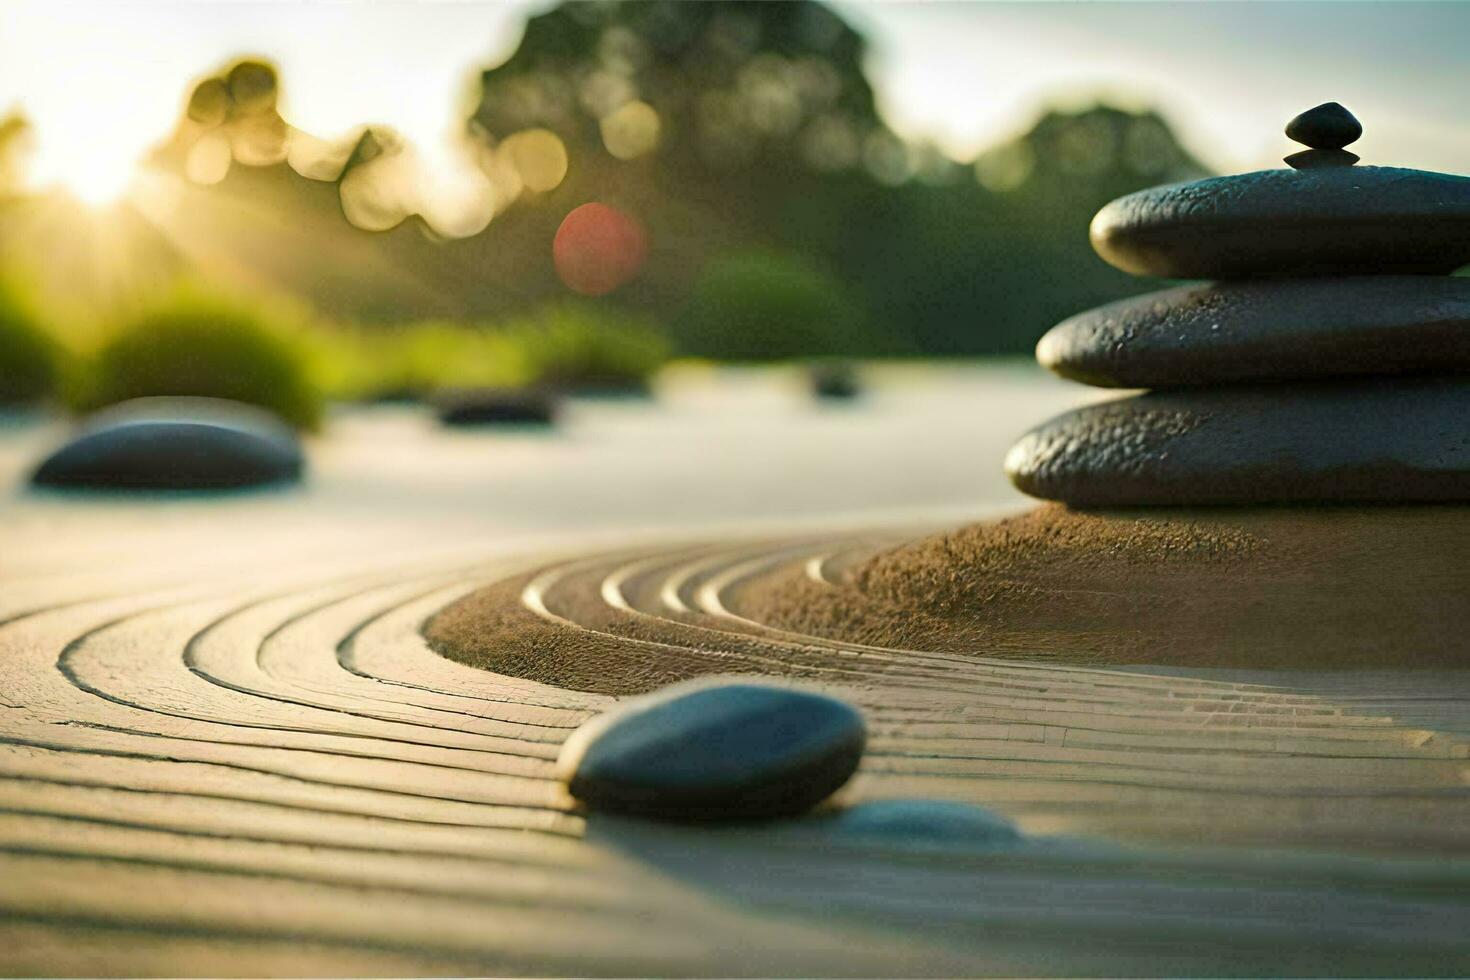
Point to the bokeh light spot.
(209, 159)
(631, 130)
(210, 102)
(598, 248)
(252, 86)
(539, 158)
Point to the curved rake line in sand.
(995, 672)
(1338, 754)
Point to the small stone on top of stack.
(1327, 359)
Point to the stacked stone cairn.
(1326, 358)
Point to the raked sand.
(227, 747)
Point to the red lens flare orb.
(598, 248)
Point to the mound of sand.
(1283, 587)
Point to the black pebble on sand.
(734, 751)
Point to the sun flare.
(96, 185)
(91, 159)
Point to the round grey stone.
(1328, 126)
(1267, 330)
(1395, 440)
(1319, 221)
(699, 752)
(175, 444)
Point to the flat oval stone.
(493, 407)
(1328, 126)
(1318, 221)
(1308, 159)
(706, 752)
(1396, 440)
(834, 380)
(175, 444)
(1267, 330)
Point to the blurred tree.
(721, 127)
(727, 124)
(759, 88)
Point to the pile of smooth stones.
(1324, 362)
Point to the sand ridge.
(1351, 587)
(1260, 587)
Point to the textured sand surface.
(227, 748)
(1343, 587)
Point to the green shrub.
(30, 358)
(585, 345)
(415, 359)
(761, 306)
(195, 343)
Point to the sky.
(104, 79)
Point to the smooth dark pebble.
(175, 444)
(1310, 159)
(837, 381)
(702, 752)
(497, 407)
(1329, 126)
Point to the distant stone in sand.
(1396, 440)
(1266, 330)
(834, 380)
(927, 823)
(175, 444)
(497, 406)
(1318, 221)
(704, 753)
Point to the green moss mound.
(761, 306)
(31, 361)
(586, 345)
(193, 343)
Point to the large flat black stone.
(175, 444)
(1265, 330)
(1320, 221)
(727, 752)
(1402, 440)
